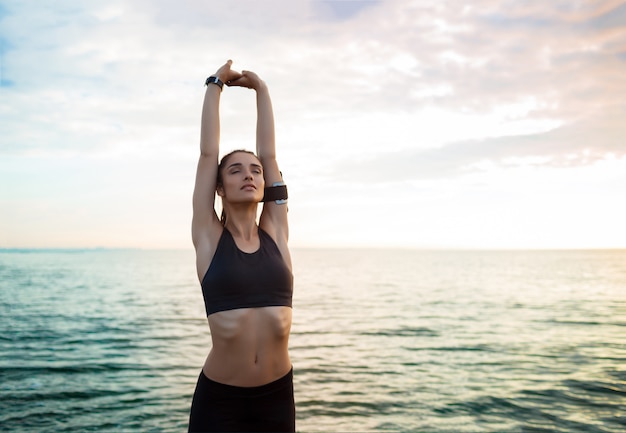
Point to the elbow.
(208, 154)
(266, 157)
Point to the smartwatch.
(214, 80)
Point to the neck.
(241, 220)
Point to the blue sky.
(421, 124)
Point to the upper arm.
(274, 216)
(205, 223)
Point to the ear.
(220, 190)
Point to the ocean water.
(382, 340)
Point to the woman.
(246, 383)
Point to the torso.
(250, 345)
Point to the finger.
(227, 64)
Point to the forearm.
(210, 122)
(265, 135)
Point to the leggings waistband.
(247, 391)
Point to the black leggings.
(226, 408)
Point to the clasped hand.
(233, 78)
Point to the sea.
(383, 340)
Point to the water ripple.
(401, 341)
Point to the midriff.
(250, 346)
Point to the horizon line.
(313, 247)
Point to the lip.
(248, 185)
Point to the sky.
(416, 124)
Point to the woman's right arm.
(205, 225)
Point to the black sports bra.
(236, 279)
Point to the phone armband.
(276, 193)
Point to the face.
(242, 179)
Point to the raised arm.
(205, 224)
(274, 216)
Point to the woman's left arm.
(274, 215)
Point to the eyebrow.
(239, 164)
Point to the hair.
(220, 178)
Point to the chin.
(251, 199)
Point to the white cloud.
(370, 97)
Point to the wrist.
(261, 87)
(214, 80)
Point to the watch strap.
(214, 80)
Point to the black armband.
(276, 193)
